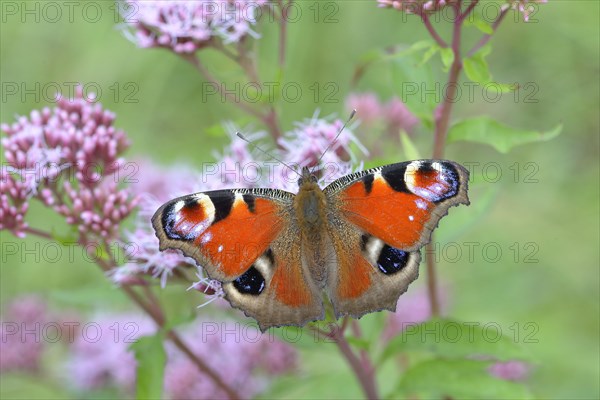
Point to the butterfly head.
(307, 179)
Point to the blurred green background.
(169, 122)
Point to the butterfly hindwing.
(245, 239)
(289, 295)
(370, 275)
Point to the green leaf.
(476, 67)
(457, 379)
(478, 22)
(447, 55)
(151, 358)
(409, 148)
(430, 52)
(412, 49)
(454, 339)
(501, 137)
(498, 87)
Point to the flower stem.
(442, 121)
(432, 31)
(38, 232)
(283, 32)
(363, 368)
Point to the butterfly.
(357, 240)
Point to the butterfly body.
(357, 240)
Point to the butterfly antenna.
(245, 139)
(337, 136)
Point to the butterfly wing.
(383, 216)
(244, 239)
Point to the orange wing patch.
(289, 285)
(235, 242)
(229, 229)
(395, 217)
(354, 276)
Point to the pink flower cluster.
(305, 145)
(20, 352)
(69, 158)
(186, 26)
(393, 114)
(100, 357)
(24, 333)
(98, 353)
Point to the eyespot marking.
(392, 260)
(250, 282)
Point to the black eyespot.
(251, 282)
(392, 260)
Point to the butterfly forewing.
(225, 231)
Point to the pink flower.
(513, 370)
(525, 7)
(393, 115)
(100, 356)
(186, 26)
(27, 328)
(367, 105)
(413, 308)
(305, 145)
(398, 117)
(15, 192)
